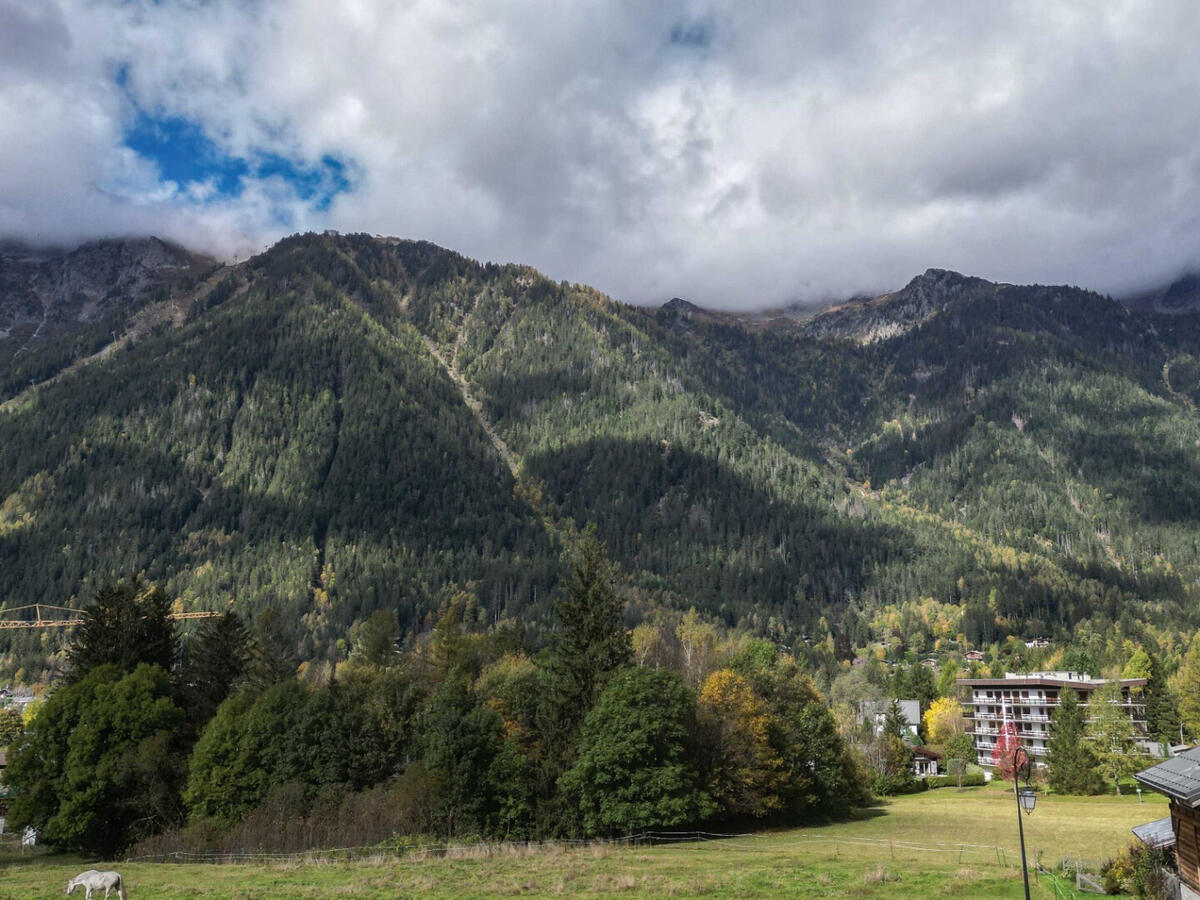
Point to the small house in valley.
(875, 712)
(925, 761)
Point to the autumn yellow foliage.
(746, 770)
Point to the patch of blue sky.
(186, 155)
(318, 183)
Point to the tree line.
(462, 731)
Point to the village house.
(1178, 779)
(875, 712)
(925, 761)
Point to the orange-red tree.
(1007, 743)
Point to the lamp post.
(1026, 800)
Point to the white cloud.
(779, 151)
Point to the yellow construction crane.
(60, 621)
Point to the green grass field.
(938, 844)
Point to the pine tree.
(590, 640)
(1069, 758)
(216, 661)
(589, 643)
(126, 625)
(271, 658)
(894, 723)
(1162, 711)
(377, 639)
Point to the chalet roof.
(1177, 777)
(1158, 833)
(927, 752)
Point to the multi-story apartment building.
(1027, 700)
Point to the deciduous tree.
(943, 719)
(1113, 736)
(1005, 750)
(99, 767)
(1187, 688)
(745, 772)
(636, 768)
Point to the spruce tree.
(590, 640)
(216, 661)
(1070, 761)
(1162, 712)
(589, 643)
(270, 655)
(1162, 709)
(127, 624)
(894, 723)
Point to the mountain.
(1180, 296)
(894, 314)
(57, 307)
(347, 423)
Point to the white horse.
(91, 880)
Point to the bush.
(970, 779)
(1139, 870)
(397, 813)
(890, 785)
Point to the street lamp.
(1027, 797)
(1026, 800)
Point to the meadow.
(942, 843)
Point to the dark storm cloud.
(738, 154)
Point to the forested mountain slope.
(333, 427)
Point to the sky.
(739, 154)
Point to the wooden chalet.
(1178, 778)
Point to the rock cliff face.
(57, 307)
(894, 314)
(40, 288)
(1180, 296)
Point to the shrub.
(1139, 870)
(970, 779)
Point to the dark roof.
(1155, 834)
(1178, 777)
(1041, 680)
(926, 751)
